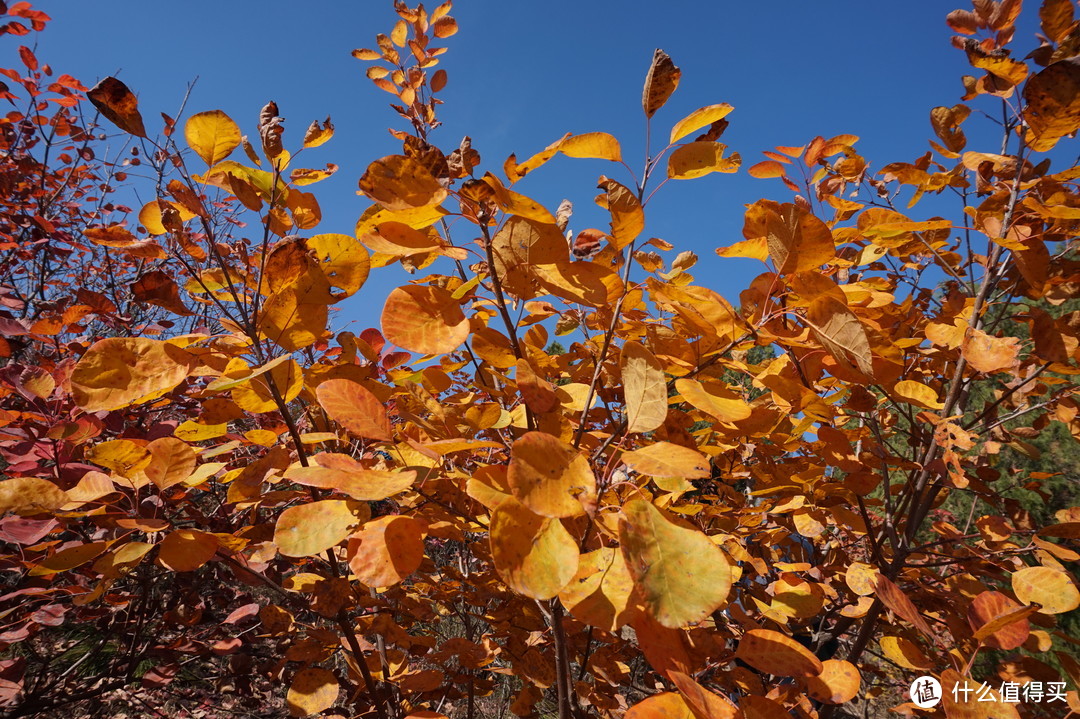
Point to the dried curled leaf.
(661, 81)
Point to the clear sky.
(521, 74)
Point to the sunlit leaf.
(551, 478)
(313, 690)
(771, 652)
(661, 81)
(534, 555)
(700, 158)
(698, 119)
(1052, 589)
(644, 388)
(185, 550)
(212, 135)
(120, 371)
(837, 683)
(355, 408)
(424, 319)
(681, 575)
(309, 529)
(115, 101)
(386, 550)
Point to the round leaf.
(682, 576)
(212, 135)
(534, 555)
(355, 408)
(549, 477)
(424, 319)
(312, 690)
(308, 529)
(1052, 589)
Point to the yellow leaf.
(681, 575)
(342, 259)
(627, 216)
(534, 555)
(918, 394)
(309, 529)
(701, 158)
(754, 249)
(69, 558)
(841, 334)
(599, 593)
(720, 402)
(344, 474)
(664, 459)
(699, 119)
(121, 371)
(313, 690)
(123, 456)
(551, 478)
(318, 134)
(424, 319)
(644, 389)
(386, 550)
(401, 183)
(905, 652)
(595, 145)
(212, 135)
(1053, 589)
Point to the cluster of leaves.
(696, 510)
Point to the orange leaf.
(121, 371)
(355, 408)
(599, 594)
(185, 550)
(400, 183)
(661, 81)
(837, 683)
(999, 622)
(798, 241)
(668, 705)
(386, 550)
(424, 319)
(990, 354)
(775, 653)
(309, 529)
(115, 101)
(344, 474)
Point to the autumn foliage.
(785, 504)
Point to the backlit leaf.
(309, 529)
(681, 575)
(344, 474)
(1052, 589)
(551, 478)
(700, 158)
(1052, 104)
(120, 371)
(644, 388)
(355, 408)
(798, 241)
(386, 550)
(599, 593)
(534, 555)
(171, 461)
(987, 353)
(627, 217)
(400, 183)
(424, 319)
(212, 135)
(999, 621)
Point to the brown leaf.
(115, 101)
(1052, 104)
(661, 81)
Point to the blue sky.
(521, 74)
